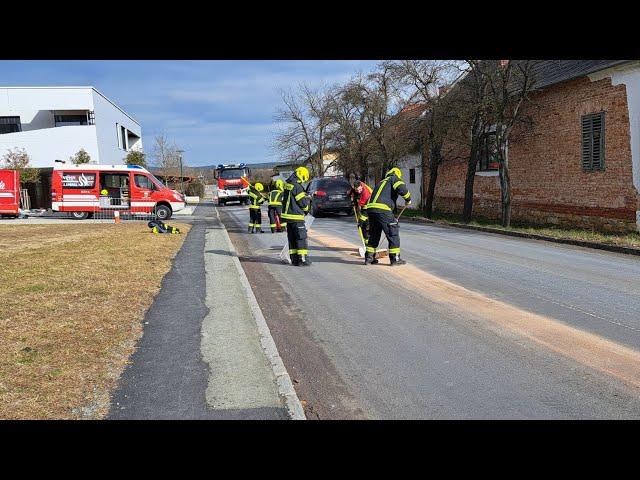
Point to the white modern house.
(411, 167)
(53, 123)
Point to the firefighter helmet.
(259, 186)
(395, 171)
(280, 184)
(303, 174)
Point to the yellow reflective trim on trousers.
(293, 251)
(300, 195)
(381, 206)
(302, 251)
(371, 249)
(273, 204)
(406, 197)
(272, 225)
(394, 250)
(397, 184)
(255, 207)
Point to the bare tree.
(470, 105)
(510, 82)
(429, 80)
(350, 132)
(166, 156)
(306, 120)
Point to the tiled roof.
(550, 72)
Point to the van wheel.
(79, 215)
(163, 212)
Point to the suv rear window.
(334, 184)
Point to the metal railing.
(112, 209)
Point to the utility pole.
(180, 152)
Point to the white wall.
(47, 145)
(629, 75)
(406, 163)
(107, 116)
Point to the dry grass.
(72, 298)
(621, 239)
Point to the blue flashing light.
(134, 166)
(220, 165)
(241, 165)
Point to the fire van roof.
(89, 166)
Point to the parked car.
(329, 194)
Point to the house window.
(488, 154)
(66, 120)
(10, 125)
(593, 142)
(412, 175)
(123, 137)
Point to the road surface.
(477, 326)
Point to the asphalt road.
(477, 326)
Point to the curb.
(532, 236)
(283, 380)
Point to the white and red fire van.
(9, 192)
(83, 190)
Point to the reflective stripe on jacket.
(274, 198)
(384, 196)
(256, 198)
(295, 203)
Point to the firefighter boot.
(273, 230)
(295, 259)
(250, 230)
(396, 260)
(370, 258)
(304, 261)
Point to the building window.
(91, 117)
(412, 175)
(123, 137)
(67, 120)
(593, 142)
(10, 125)
(488, 154)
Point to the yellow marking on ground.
(586, 348)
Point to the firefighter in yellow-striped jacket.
(275, 207)
(255, 214)
(295, 205)
(379, 210)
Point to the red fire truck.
(230, 185)
(9, 192)
(83, 190)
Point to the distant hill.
(201, 168)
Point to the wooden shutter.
(593, 141)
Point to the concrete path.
(476, 326)
(200, 356)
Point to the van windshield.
(158, 183)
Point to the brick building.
(578, 164)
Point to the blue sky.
(217, 111)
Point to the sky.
(216, 111)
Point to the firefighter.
(295, 205)
(362, 193)
(275, 207)
(255, 214)
(379, 209)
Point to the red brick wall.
(548, 183)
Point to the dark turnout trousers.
(273, 211)
(383, 222)
(255, 218)
(297, 236)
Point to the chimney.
(504, 63)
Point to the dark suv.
(329, 194)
